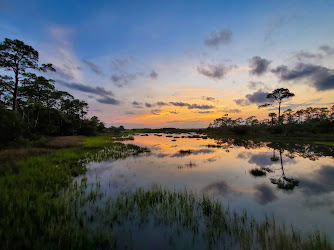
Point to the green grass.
(325, 143)
(29, 196)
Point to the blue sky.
(165, 51)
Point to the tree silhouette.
(278, 95)
(272, 116)
(16, 56)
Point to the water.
(222, 169)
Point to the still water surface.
(296, 186)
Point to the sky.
(153, 64)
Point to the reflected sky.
(224, 172)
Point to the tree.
(289, 115)
(16, 56)
(272, 116)
(36, 90)
(299, 114)
(279, 95)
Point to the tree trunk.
(16, 87)
(279, 113)
(37, 117)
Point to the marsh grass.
(9, 158)
(29, 196)
(127, 138)
(181, 216)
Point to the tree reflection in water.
(284, 182)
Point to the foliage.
(278, 95)
(31, 106)
(299, 122)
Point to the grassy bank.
(29, 187)
(326, 143)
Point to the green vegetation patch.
(29, 195)
(326, 143)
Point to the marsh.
(296, 187)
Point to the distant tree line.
(30, 105)
(300, 122)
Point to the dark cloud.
(322, 52)
(130, 113)
(176, 104)
(93, 67)
(215, 39)
(179, 104)
(161, 103)
(231, 110)
(215, 71)
(258, 97)
(208, 98)
(85, 88)
(154, 75)
(301, 70)
(148, 105)
(301, 55)
(320, 77)
(242, 102)
(327, 50)
(173, 112)
(137, 104)
(155, 111)
(108, 100)
(191, 106)
(205, 112)
(196, 106)
(264, 194)
(123, 79)
(258, 65)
